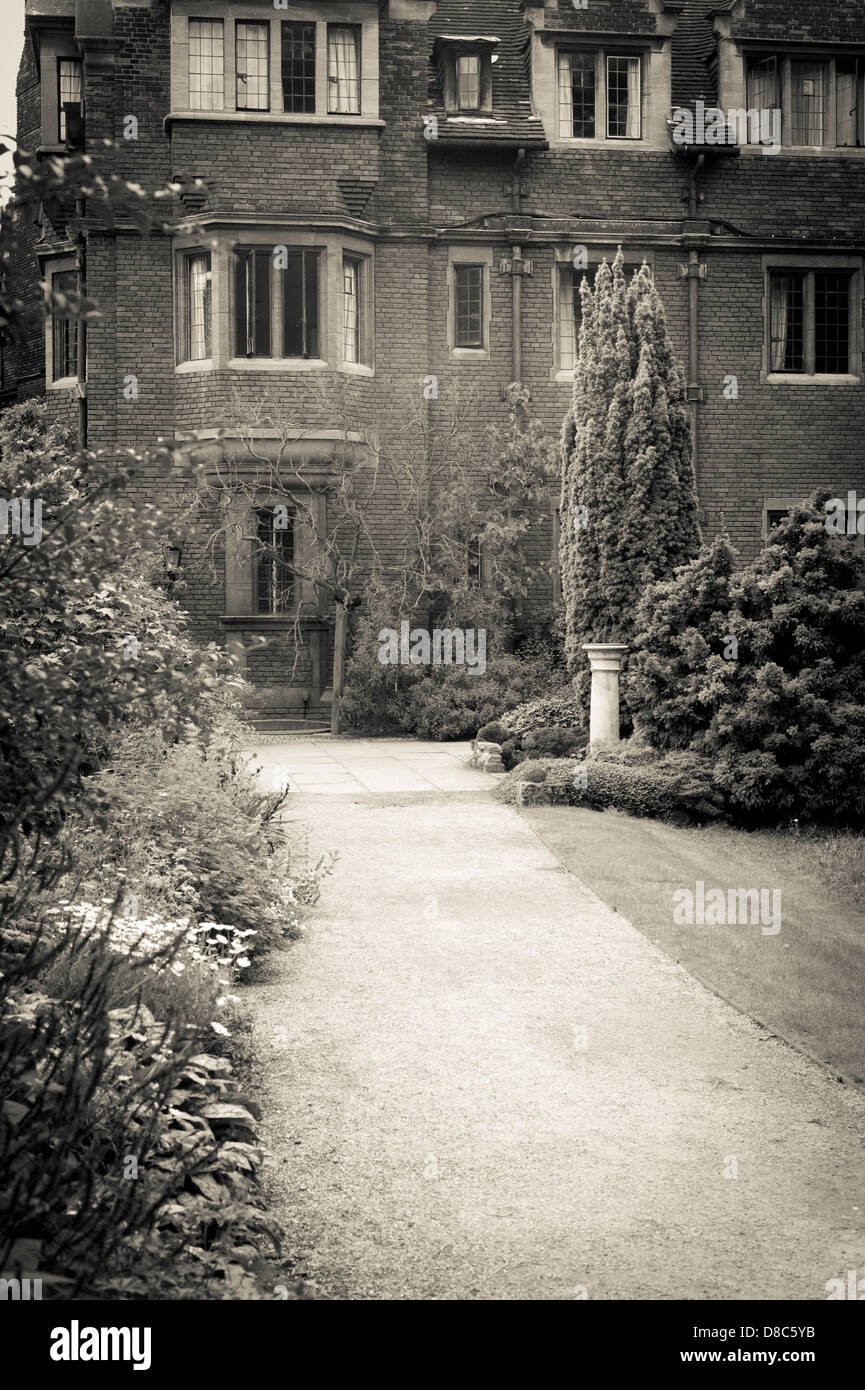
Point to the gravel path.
(483, 1083)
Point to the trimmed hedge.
(669, 791)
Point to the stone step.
(287, 724)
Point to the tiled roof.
(693, 51)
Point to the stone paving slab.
(365, 767)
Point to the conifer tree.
(629, 502)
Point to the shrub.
(554, 742)
(493, 733)
(129, 1154)
(680, 793)
(762, 672)
(190, 834)
(89, 644)
(559, 707)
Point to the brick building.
(426, 171)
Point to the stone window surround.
(359, 12)
(562, 256)
(733, 60)
(470, 255)
(655, 78)
(218, 451)
(54, 266)
(333, 245)
(805, 262)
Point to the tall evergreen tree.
(629, 501)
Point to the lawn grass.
(805, 984)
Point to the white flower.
(222, 1031)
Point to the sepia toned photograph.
(432, 668)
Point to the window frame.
(252, 24)
(364, 19)
(350, 259)
(460, 255)
(357, 30)
(784, 60)
(453, 53)
(205, 19)
(62, 133)
(258, 510)
(184, 307)
(809, 268)
(462, 268)
(59, 265)
(292, 24)
(603, 55)
(245, 253)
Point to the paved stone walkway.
(483, 1083)
(335, 767)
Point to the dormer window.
(467, 75)
(599, 94)
(820, 98)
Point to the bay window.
(267, 60)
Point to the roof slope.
(694, 52)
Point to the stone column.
(606, 662)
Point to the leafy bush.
(761, 671)
(559, 707)
(493, 733)
(450, 703)
(89, 644)
(190, 833)
(129, 1155)
(554, 742)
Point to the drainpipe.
(517, 277)
(693, 322)
(81, 326)
(517, 312)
